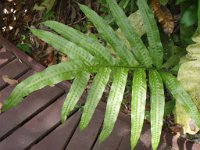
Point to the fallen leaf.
(177, 128)
(9, 80)
(50, 58)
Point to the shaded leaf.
(163, 2)
(46, 4)
(189, 17)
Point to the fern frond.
(110, 36)
(138, 48)
(139, 89)
(92, 45)
(178, 92)
(87, 56)
(63, 45)
(155, 45)
(94, 96)
(50, 76)
(114, 102)
(157, 106)
(77, 88)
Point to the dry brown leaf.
(9, 80)
(49, 59)
(164, 16)
(64, 58)
(177, 128)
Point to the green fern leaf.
(90, 44)
(182, 97)
(157, 106)
(155, 45)
(110, 36)
(94, 96)
(77, 88)
(138, 48)
(50, 76)
(114, 102)
(139, 87)
(63, 45)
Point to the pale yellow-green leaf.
(137, 23)
(188, 75)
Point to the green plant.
(88, 56)
(189, 11)
(49, 15)
(22, 45)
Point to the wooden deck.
(35, 123)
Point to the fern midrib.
(158, 111)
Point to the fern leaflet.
(94, 95)
(77, 88)
(157, 106)
(114, 102)
(155, 45)
(139, 89)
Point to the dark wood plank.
(36, 128)
(144, 142)
(84, 140)
(14, 69)
(5, 57)
(7, 91)
(19, 54)
(125, 143)
(28, 108)
(27, 60)
(122, 128)
(58, 138)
